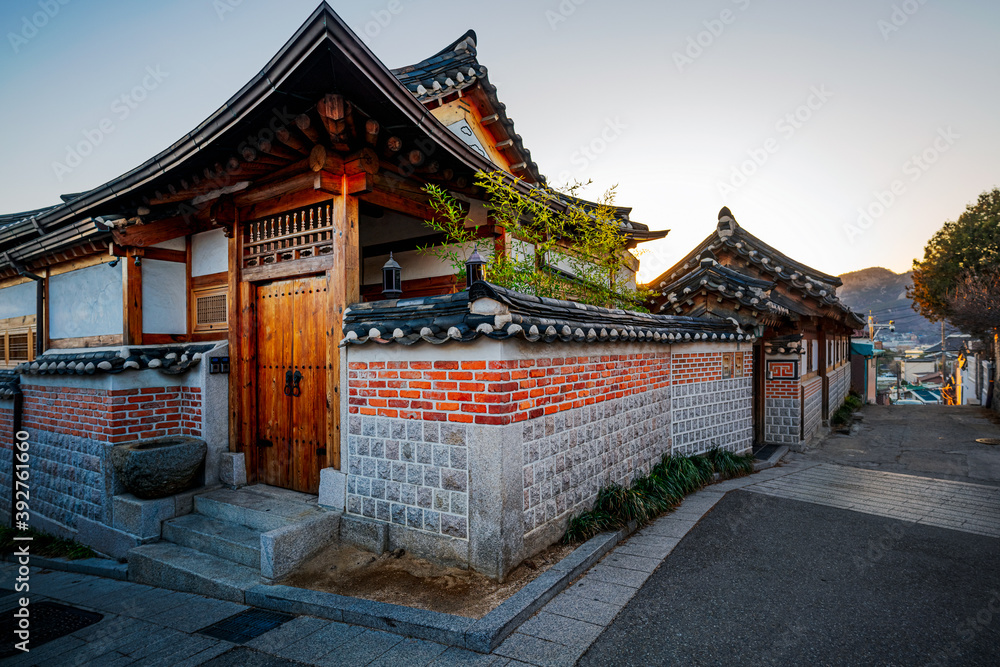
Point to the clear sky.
(796, 115)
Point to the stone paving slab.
(946, 504)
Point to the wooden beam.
(158, 231)
(86, 341)
(164, 255)
(288, 269)
(399, 203)
(371, 132)
(306, 127)
(132, 301)
(333, 111)
(357, 184)
(286, 137)
(290, 201)
(344, 288)
(304, 181)
(237, 386)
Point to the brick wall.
(70, 429)
(497, 393)
(113, 416)
(586, 421)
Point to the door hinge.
(263, 442)
(321, 451)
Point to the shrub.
(660, 491)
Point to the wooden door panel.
(308, 409)
(273, 360)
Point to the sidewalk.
(148, 626)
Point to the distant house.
(800, 363)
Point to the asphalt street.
(773, 581)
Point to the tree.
(560, 246)
(958, 279)
(969, 245)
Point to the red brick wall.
(113, 415)
(7, 422)
(502, 392)
(498, 392)
(781, 389)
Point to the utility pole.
(944, 357)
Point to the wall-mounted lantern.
(392, 282)
(475, 270)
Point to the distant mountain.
(884, 293)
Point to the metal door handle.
(288, 382)
(296, 390)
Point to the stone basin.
(158, 467)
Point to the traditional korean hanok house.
(801, 369)
(205, 294)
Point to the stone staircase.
(234, 540)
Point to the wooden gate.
(291, 390)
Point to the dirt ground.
(399, 578)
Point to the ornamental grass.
(660, 491)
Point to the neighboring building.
(864, 368)
(801, 372)
(218, 290)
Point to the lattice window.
(211, 309)
(300, 234)
(17, 345)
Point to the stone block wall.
(412, 473)
(480, 452)
(782, 411)
(812, 407)
(840, 386)
(6, 444)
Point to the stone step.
(231, 541)
(254, 509)
(178, 568)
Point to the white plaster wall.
(164, 297)
(18, 300)
(173, 244)
(415, 265)
(86, 302)
(209, 253)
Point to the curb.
(480, 635)
(99, 567)
(772, 460)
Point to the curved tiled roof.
(724, 281)
(498, 313)
(9, 381)
(729, 234)
(171, 359)
(456, 68)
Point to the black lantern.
(391, 279)
(475, 268)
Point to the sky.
(845, 134)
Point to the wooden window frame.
(207, 291)
(13, 327)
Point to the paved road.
(771, 581)
(927, 440)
